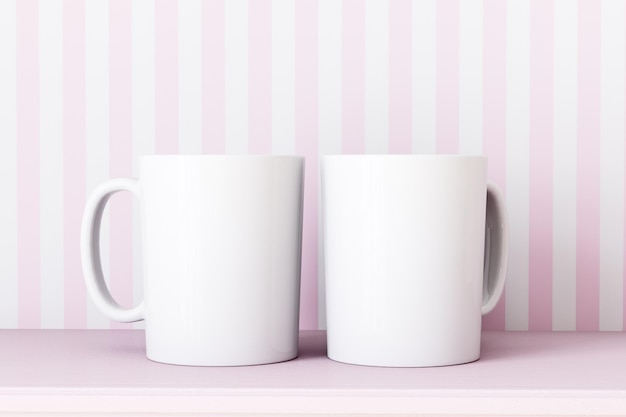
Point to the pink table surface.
(521, 372)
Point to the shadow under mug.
(415, 254)
(221, 240)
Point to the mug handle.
(496, 248)
(90, 251)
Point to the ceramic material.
(221, 255)
(407, 274)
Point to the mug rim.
(219, 156)
(404, 156)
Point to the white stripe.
(143, 115)
(236, 84)
(51, 162)
(143, 79)
(612, 165)
(97, 125)
(8, 166)
(190, 76)
(517, 157)
(424, 75)
(329, 76)
(471, 77)
(564, 165)
(329, 113)
(283, 76)
(376, 76)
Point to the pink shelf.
(105, 371)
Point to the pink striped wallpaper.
(539, 86)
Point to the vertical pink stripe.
(74, 158)
(540, 181)
(494, 114)
(588, 173)
(213, 77)
(447, 76)
(166, 76)
(306, 131)
(260, 77)
(120, 146)
(28, 247)
(624, 257)
(353, 76)
(400, 81)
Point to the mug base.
(413, 364)
(221, 364)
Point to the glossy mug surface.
(221, 254)
(407, 274)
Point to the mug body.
(222, 251)
(404, 240)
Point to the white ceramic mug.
(221, 254)
(415, 254)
